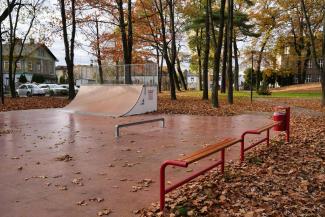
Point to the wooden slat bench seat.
(218, 147)
(209, 150)
(265, 128)
(195, 156)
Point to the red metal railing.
(242, 143)
(184, 164)
(164, 191)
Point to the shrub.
(38, 78)
(22, 79)
(264, 90)
(63, 80)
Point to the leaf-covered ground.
(194, 105)
(34, 102)
(285, 179)
(280, 180)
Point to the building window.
(41, 52)
(310, 64)
(319, 78)
(38, 67)
(30, 66)
(308, 78)
(287, 50)
(321, 63)
(295, 80)
(6, 65)
(18, 65)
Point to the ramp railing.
(119, 126)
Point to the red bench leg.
(162, 186)
(242, 149)
(223, 161)
(268, 137)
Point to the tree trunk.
(236, 77)
(298, 42)
(217, 54)
(230, 40)
(313, 49)
(12, 45)
(199, 54)
(206, 53)
(1, 70)
(170, 69)
(171, 7)
(178, 87)
(180, 72)
(69, 48)
(158, 65)
(323, 68)
(126, 39)
(99, 56)
(307, 58)
(224, 61)
(161, 70)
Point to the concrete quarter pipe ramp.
(114, 100)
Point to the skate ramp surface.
(114, 100)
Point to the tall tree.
(230, 43)
(224, 61)
(127, 36)
(69, 43)
(170, 66)
(3, 16)
(206, 52)
(217, 54)
(313, 47)
(24, 10)
(236, 74)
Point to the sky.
(81, 57)
(57, 46)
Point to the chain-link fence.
(146, 74)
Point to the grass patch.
(305, 94)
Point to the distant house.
(85, 74)
(287, 60)
(192, 81)
(36, 58)
(61, 73)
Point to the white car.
(54, 89)
(76, 89)
(29, 90)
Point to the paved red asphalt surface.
(32, 180)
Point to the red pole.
(223, 161)
(162, 179)
(242, 147)
(162, 186)
(288, 124)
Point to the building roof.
(28, 49)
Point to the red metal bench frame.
(219, 147)
(266, 129)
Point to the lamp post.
(252, 76)
(1, 68)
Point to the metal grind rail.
(119, 126)
(281, 123)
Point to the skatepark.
(69, 162)
(110, 168)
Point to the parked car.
(54, 89)
(76, 89)
(29, 90)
